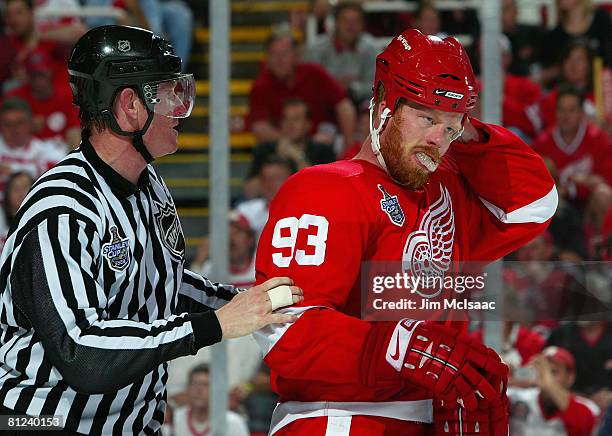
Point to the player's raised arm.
(510, 193)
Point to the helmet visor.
(172, 98)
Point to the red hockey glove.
(499, 411)
(458, 421)
(488, 419)
(440, 359)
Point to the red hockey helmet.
(428, 70)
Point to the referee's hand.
(252, 309)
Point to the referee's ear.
(129, 110)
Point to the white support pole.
(491, 74)
(219, 68)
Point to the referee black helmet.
(110, 58)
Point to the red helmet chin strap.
(375, 132)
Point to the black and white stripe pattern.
(83, 335)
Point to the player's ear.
(380, 102)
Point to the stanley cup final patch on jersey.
(170, 229)
(117, 251)
(390, 205)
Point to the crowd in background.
(309, 104)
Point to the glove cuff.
(384, 352)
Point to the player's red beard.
(399, 160)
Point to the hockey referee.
(95, 299)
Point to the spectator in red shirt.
(520, 94)
(590, 342)
(284, 77)
(294, 142)
(521, 97)
(54, 115)
(551, 408)
(580, 151)
(26, 38)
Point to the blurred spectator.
(461, 21)
(321, 10)
(174, 19)
(241, 253)
(19, 150)
(27, 37)
(591, 344)
(17, 187)
(167, 425)
(576, 71)
(193, 419)
(579, 151)
(7, 58)
(65, 29)
(603, 246)
(294, 143)
(427, 19)
(260, 402)
(520, 96)
(132, 13)
(54, 115)
(578, 20)
(606, 427)
(362, 131)
(274, 171)
(520, 343)
(551, 409)
(524, 39)
(284, 77)
(545, 291)
(348, 54)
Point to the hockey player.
(456, 189)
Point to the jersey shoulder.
(70, 185)
(346, 177)
(341, 186)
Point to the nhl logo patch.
(117, 251)
(124, 45)
(170, 229)
(390, 205)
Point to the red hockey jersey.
(590, 152)
(485, 200)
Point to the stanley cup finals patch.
(117, 251)
(390, 205)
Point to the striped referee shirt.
(95, 299)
